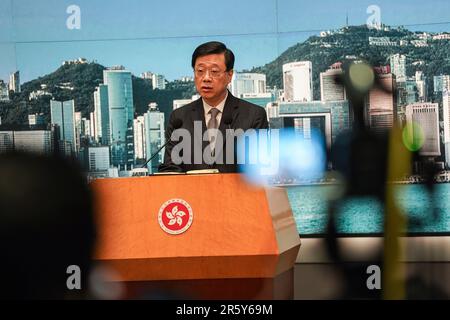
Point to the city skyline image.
(98, 82)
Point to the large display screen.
(106, 75)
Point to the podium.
(210, 236)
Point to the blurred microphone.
(176, 124)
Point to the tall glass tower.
(121, 112)
(101, 109)
(63, 116)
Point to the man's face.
(211, 77)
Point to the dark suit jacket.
(244, 116)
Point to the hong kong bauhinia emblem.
(175, 216)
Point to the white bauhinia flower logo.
(175, 216)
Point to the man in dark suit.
(217, 109)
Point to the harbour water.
(426, 213)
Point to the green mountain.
(433, 59)
(78, 82)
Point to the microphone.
(176, 124)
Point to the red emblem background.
(186, 219)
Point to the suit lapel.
(198, 114)
(230, 110)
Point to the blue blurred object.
(282, 156)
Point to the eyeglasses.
(214, 73)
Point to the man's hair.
(214, 47)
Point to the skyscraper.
(380, 104)
(421, 86)
(297, 81)
(139, 138)
(412, 91)
(398, 66)
(446, 116)
(425, 116)
(247, 83)
(62, 115)
(101, 109)
(121, 113)
(14, 82)
(441, 83)
(78, 132)
(154, 136)
(4, 92)
(330, 87)
(330, 118)
(93, 131)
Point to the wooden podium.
(242, 241)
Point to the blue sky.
(159, 36)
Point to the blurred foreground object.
(46, 225)
(371, 162)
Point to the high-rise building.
(441, 83)
(93, 131)
(330, 118)
(423, 119)
(63, 116)
(37, 141)
(4, 92)
(446, 116)
(121, 114)
(78, 129)
(398, 66)
(158, 81)
(14, 82)
(380, 104)
(297, 81)
(412, 91)
(101, 109)
(421, 84)
(247, 83)
(98, 158)
(139, 138)
(331, 86)
(85, 127)
(154, 136)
